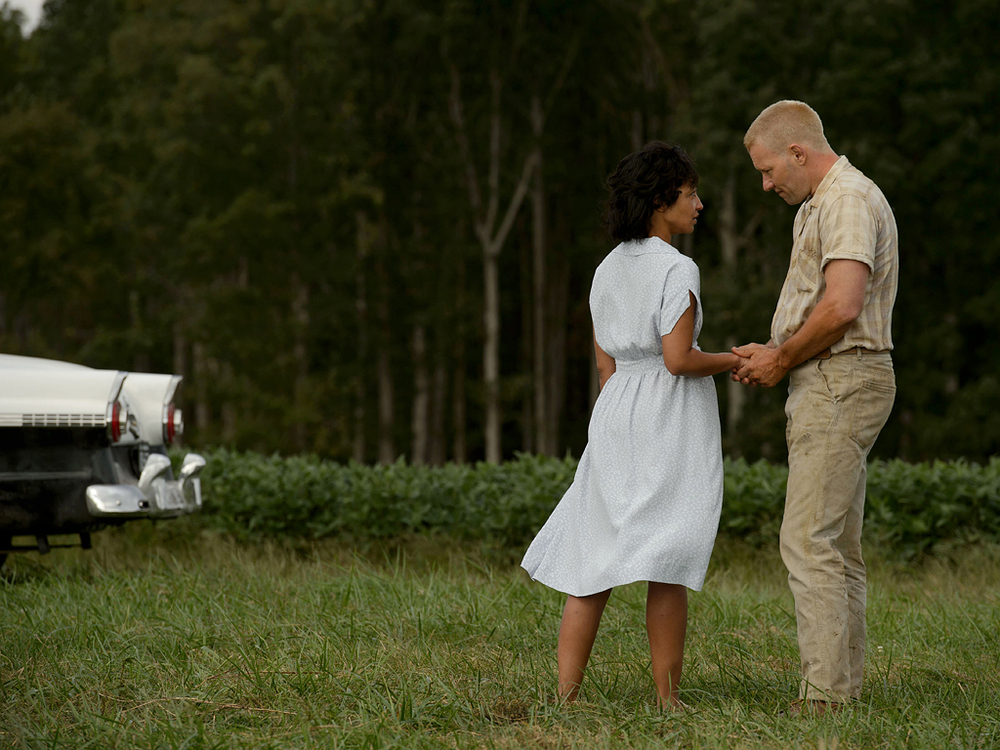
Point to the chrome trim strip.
(36, 476)
(53, 420)
(63, 420)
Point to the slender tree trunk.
(491, 237)
(358, 441)
(202, 409)
(299, 289)
(300, 355)
(24, 331)
(486, 213)
(421, 397)
(541, 407)
(951, 381)
(141, 361)
(526, 346)
(229, 411)
(180, 347)
(386, 397)
(558, 289)
(361, 308)
(386, 404)
(458, 450)
(180, 350)
(637, 135)
(439, 387)
(730, 243)
(491, 355)
(243, 275)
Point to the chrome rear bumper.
(155, 496)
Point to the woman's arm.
(682, 359)
(605, 363)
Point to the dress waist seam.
(646, 364)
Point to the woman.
(645, 502)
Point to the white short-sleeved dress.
(645, 502)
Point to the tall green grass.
(175, 637)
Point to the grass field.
(163, 637)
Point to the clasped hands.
(759, 365)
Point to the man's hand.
(761, 366)
(743, 352)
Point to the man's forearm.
(824, 327)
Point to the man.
(831, 333)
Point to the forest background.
(367, 228)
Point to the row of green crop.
(911, 508)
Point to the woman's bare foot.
(673, 703)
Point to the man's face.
(781, 173)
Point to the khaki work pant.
(836, 408)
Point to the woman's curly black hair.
(643, 181)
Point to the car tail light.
(116, 418)
(118, 423)
(173, 423)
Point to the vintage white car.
(81, 449)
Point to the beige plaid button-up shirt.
(847, 217)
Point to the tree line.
(366, 229)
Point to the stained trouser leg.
(857, 593)
(823, 474)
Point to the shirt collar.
(646, 246)
(835, 171)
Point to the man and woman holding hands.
(645, 502)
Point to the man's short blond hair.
(784, 123)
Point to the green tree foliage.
(10, 49)
(273, 199)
